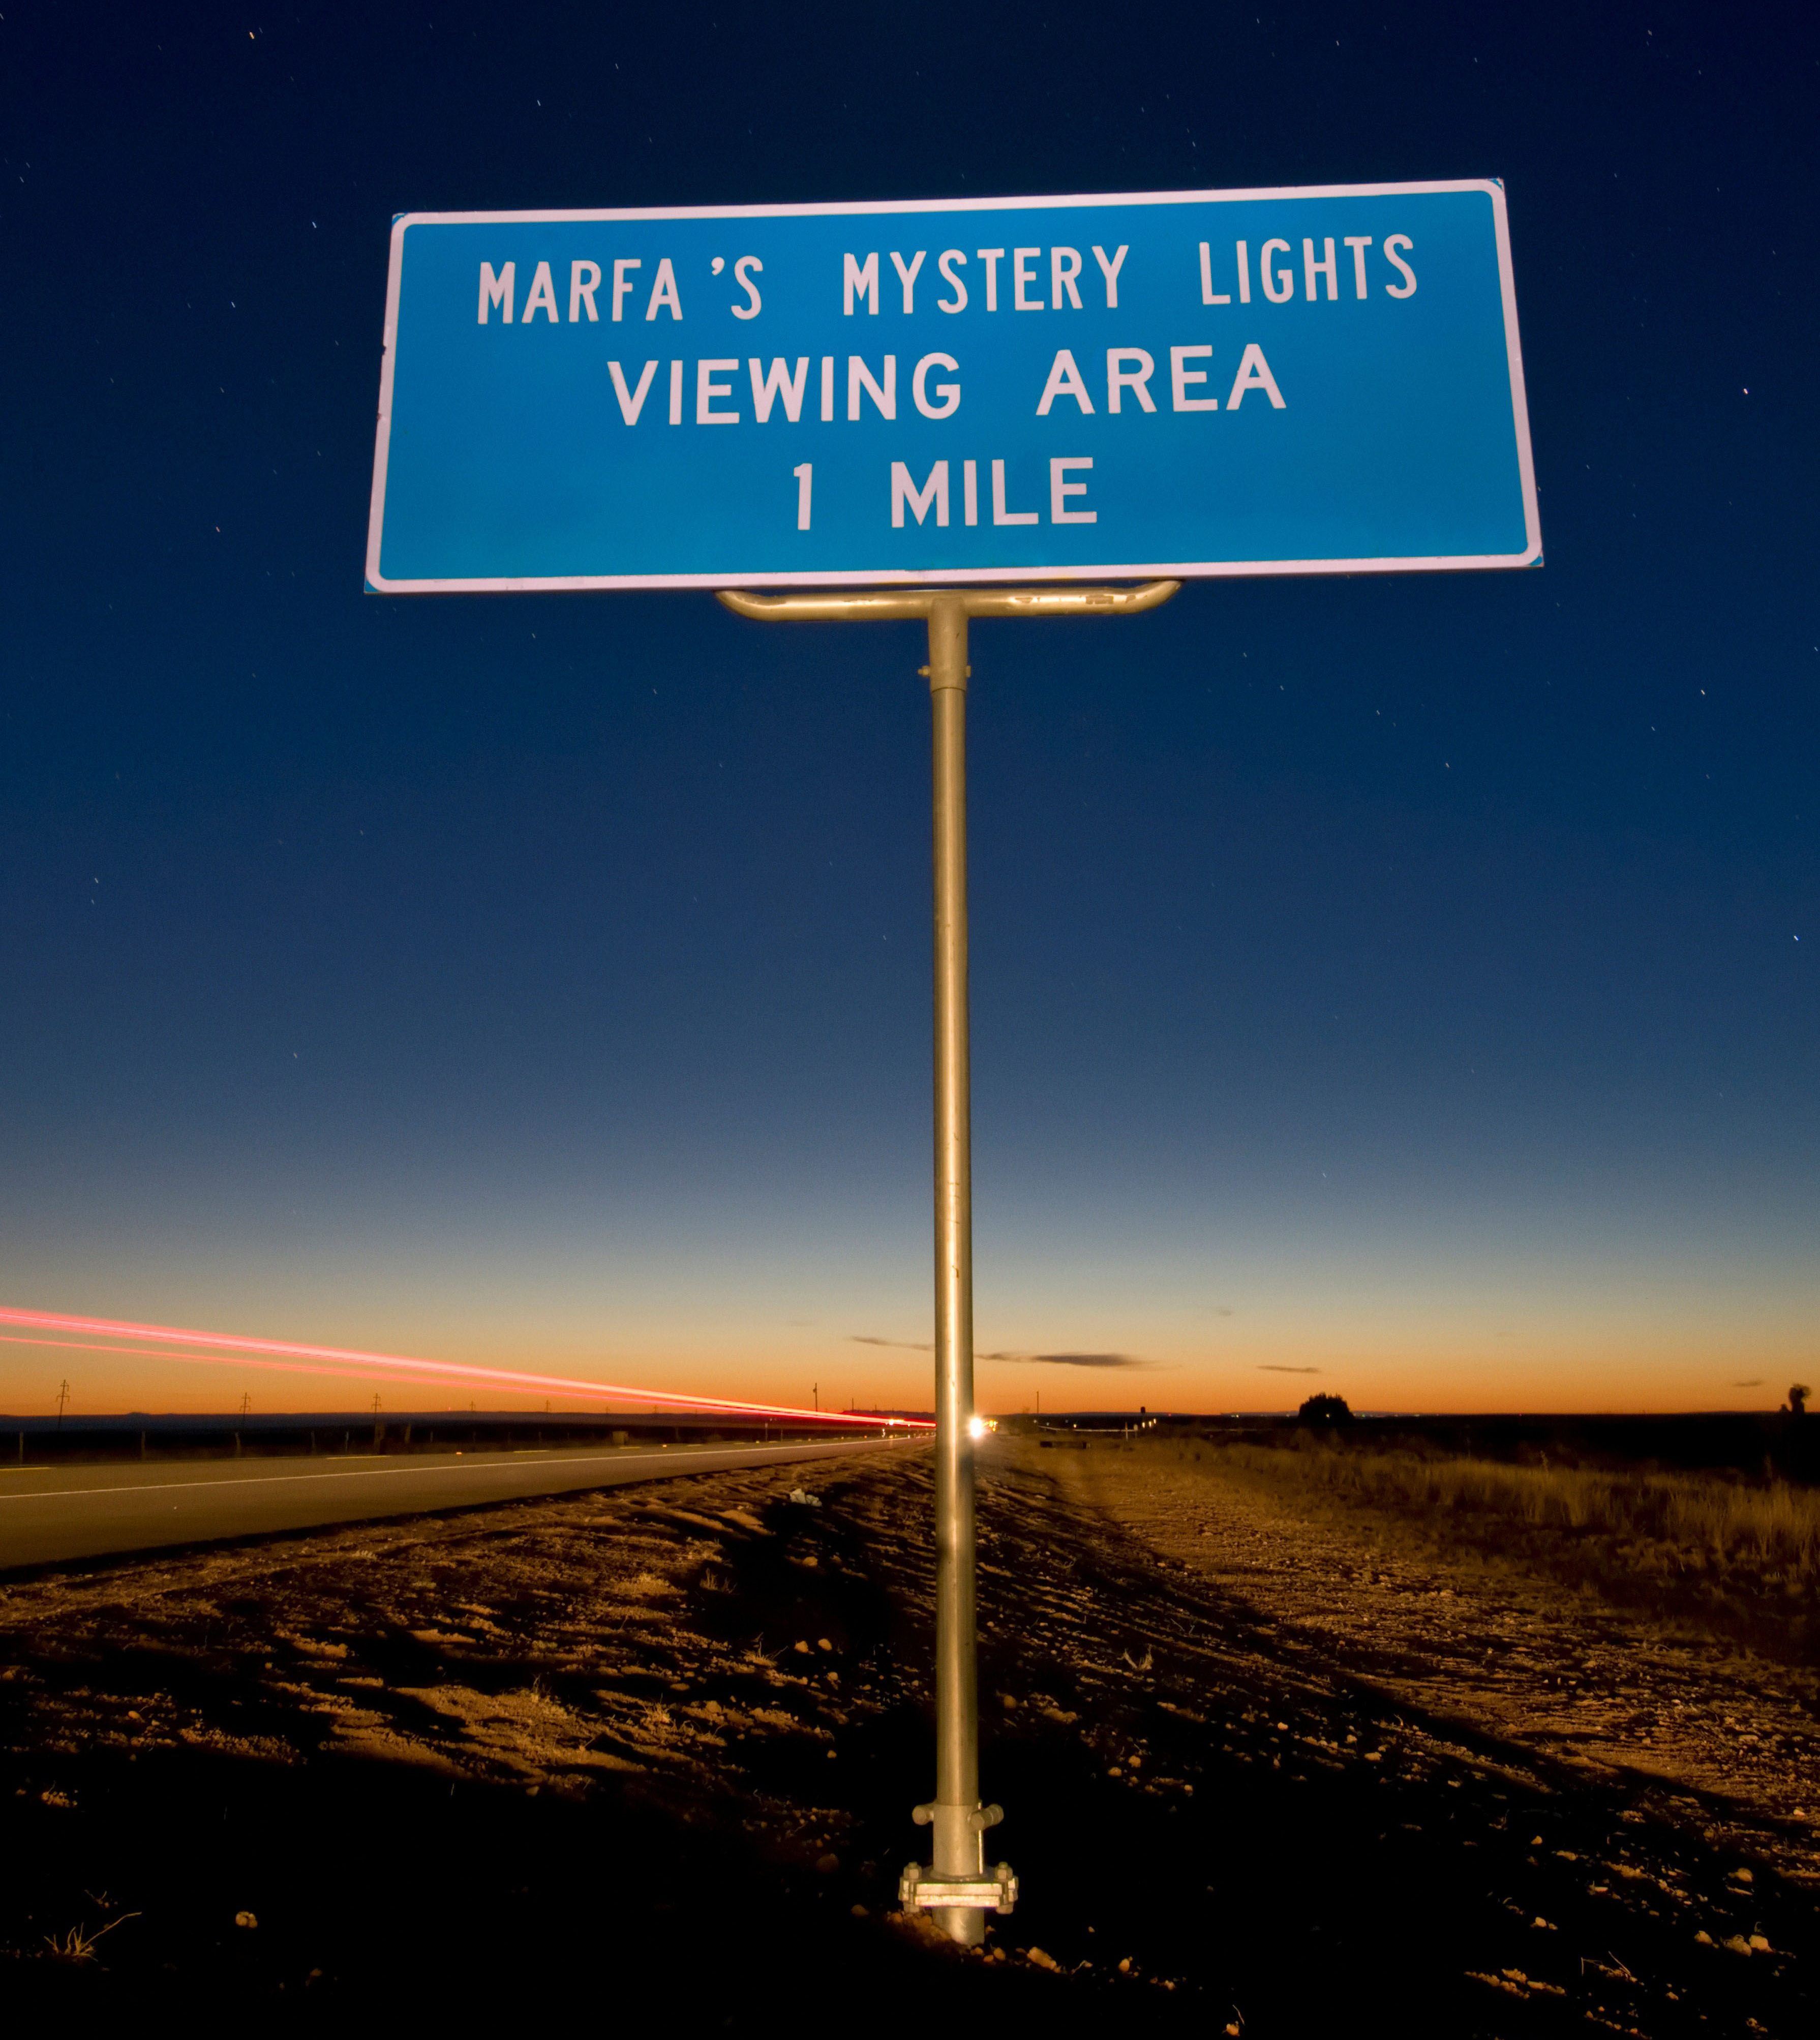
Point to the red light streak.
(235, 1360)
(282, 1355)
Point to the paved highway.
(50, 1514)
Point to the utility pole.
(63, 1398)
(957, 1887)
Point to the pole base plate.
(996, 1891)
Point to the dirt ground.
(1500, 1648)
(656, 1749)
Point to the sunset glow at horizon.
(275, 1355)
(1403, 1363)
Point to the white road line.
(366, 1473)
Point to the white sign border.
(952, 576)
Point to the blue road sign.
(1323, 379)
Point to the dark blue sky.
(1397, 978)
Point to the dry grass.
(1727, 1521)
(78, 1944)
(1744, 1553)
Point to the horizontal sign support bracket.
(891, 605)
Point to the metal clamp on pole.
(957, 1887)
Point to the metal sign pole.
(957, 1887)
(959, 1836)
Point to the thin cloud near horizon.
(1097, 1359)
(1125, 1359)
(1270, 1367)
